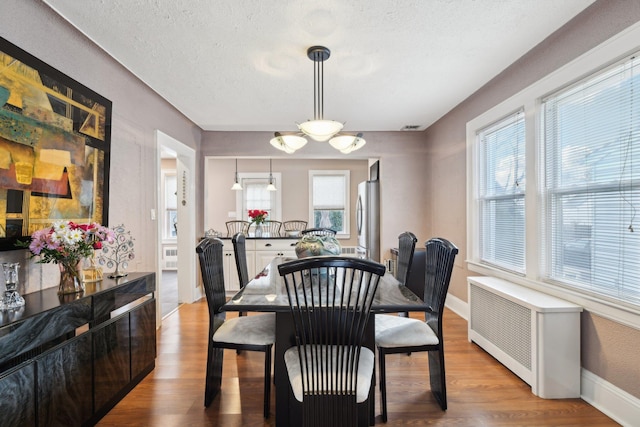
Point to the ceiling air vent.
(411, 127)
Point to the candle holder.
(11, 298)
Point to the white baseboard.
(458, 306)
(612, 401)
(615, 403)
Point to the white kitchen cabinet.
(267, 249)
(231, 280)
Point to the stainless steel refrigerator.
(368, 220)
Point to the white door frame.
(185, 169)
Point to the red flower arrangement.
(258, 215)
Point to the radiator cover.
(535, 335)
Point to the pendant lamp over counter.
(318, 129)
(271, 187)
(236, 185)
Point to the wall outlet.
(153, 214)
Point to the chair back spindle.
(330, 300)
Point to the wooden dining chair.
(271, 227)
(253, 333)
(294, 225)
(406, 335)
(330, 371)
(237, 226)
(319, 232)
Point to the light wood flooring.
(481, 392)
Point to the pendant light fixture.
(236, 184)
(271, 187)
(318, 129)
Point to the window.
(591, 138)
(254, 195)
(329, 200)
(500, 193)
(573, 138)
(170, 204)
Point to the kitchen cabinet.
(231, 280)
(267, 249)
(69, 359)
(260, 252)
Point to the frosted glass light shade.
(320, 130)
(271, 187)
(288, 143)
(347, 143)
(236, 186)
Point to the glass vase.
(258, 230)
(11, 298)
(70, 278)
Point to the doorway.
(176, 218)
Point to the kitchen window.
(254, 195)
(329, 200)
(554, 183)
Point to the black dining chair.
(318, 232)
(330, 371)
(253, 333)
(240, 253)
(406, 248)
(395, 334)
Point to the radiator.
(535, 335)
(170, 258)
(349, 251)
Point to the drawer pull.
(268, 245)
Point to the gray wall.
(447, 162)
(404, 189)
(137, 113)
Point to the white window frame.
(611, 51)
(346, 174)
(276, 208)
(166, 227)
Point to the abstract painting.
(54, 148)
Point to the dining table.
(266, 292)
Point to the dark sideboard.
(67, 360)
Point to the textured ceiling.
(242, 64)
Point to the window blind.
(591, 183)
(500, 193)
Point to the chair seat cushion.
(365, 370)
(259, 329)
(395, 331)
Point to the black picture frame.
(55, 145)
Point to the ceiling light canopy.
(319, 128)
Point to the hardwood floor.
(480, 391)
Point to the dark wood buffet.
(67, 360)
